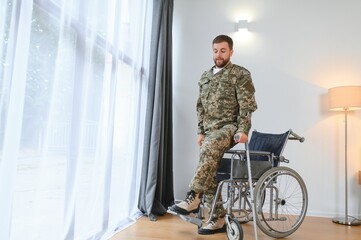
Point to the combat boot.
(189, 205)
(216, 225)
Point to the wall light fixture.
(242, 25)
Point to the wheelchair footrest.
(193, 220)
(189, 218)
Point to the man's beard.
(222, 64)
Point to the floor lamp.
(345, 98)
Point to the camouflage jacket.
(226, 97)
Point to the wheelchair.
(254, 187)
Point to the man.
(224, 107)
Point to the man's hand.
(200, 139)
(240, 137)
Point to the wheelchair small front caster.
(234, 230)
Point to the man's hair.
(223, 38)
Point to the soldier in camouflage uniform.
(224, 108)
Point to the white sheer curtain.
(72, 98)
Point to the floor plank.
(172, 227)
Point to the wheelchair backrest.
(268, 142)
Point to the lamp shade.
(344, 98)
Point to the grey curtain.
(156, 191)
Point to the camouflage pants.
(213, 147)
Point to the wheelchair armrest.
(235, 151)
(251, 152)
(259, 153)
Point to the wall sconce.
(242, 25)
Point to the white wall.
(295, 50)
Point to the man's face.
(221, 54)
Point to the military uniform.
(225, 103)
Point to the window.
(83, 112)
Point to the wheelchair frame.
(263, 187)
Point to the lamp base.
(349, 221)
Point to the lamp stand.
(346, 220)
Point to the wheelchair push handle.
(292, 136)
(236, 137)
(295, 136)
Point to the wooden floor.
(171, 227)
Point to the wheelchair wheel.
(234, 230)
(280, 202)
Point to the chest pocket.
(227, 88)
(204, 85)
